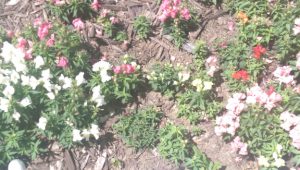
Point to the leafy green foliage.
(174, 143)
(199, 161)
(196, 106)
(176, 146)
(164, 79)
(113, 29)
(71, 9)
(262, 132)
(142, 27)
(140, 129)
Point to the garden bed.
(150, 85)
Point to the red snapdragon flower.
(241, 75)
(258, 50)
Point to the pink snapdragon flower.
(43, 30)
(173, 9)
(105, 13)
(62, 62)
(59, 2)
(291, 123)
(10, 34)
(117, 70)
(78, 24)
(185, 13)
(114, 20)
(95, 5)
(296, 28)
(266, 98)
(289, 120)
(298, 61)
(230, 120)
(51, 41)
(124, 69)
(238, 146)
(282, 75)
(37, 22)
(212, 65)
(22, 43)
(231, 25)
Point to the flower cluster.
(269, 98)
(283, 75)
(276, 156)
(241, 75)
(258, 51)
(103, 67)
(95, 5)
(86, 133)
(202, 85)
(212, 65)
(238, 146)
(230, 121)
(173, 9)
(291, 123)
(125, 69)
(78, 24)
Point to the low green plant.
(262, 132)
(174, 143)
(200, 51)
(199, 161)
(72, 9)
(196, 106)
(112, 26)
(142, 27)
(121, 81)
(140, 129)
(165, 79)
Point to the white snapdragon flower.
(39, 61)
(263, 161)
(56, 88)
(86, 134)
(102, 67)
(14, 77)
(97, 97)
(104, 76)
(95, 131)
(20, 66)
(25, 102)
(42, 123)
(80, 79)
(33, 82)
(183, 76)
(76, 135)
(25, 80)
(10, 52)
(4, 79)
(46, 75)
(207, 85)
(8, 91)
(47, 85)
(51, 95)
(66, 81)
(16, 115)
(279, 163)
(4, 104)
